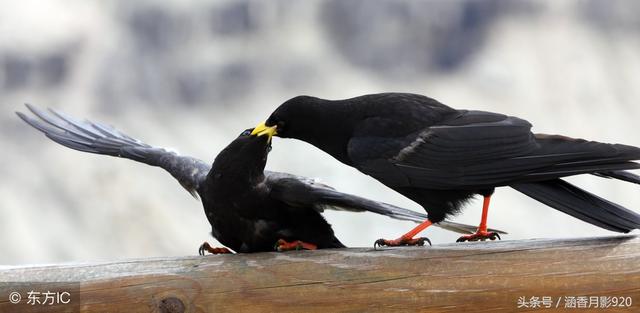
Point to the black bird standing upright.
(249, 209)
(440, 157)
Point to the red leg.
(206, 247)
(407, 239)
(283, 245)
(481, 233)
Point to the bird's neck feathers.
(325, 124)
(237, 168)
(235, 176)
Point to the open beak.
(263, 129)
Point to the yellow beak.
(263, 129)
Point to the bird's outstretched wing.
(94, 137)
(475, 149)
(300, 191)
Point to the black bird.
(249, 209)
(441, 157)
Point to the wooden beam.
(483, 276)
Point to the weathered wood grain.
(484, 276)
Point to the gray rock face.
(44, 70)
(412, 37)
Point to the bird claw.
(480, 236)
(283, 245)
(206, 247)
(401, 242)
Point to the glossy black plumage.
(249, 209)
(440, 157)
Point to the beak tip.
(263, 129)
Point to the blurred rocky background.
(190, 75)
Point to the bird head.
(258, 143)
(246, 153)
(323, 123)
(294, 117)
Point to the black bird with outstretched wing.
(240, 233)
(440, 157)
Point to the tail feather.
(581, 204)
(555, 172)
(566, 156)
(621, 175)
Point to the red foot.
(406, 239)
(402, 241)
(482, 233)
(479, 235)
(283, 245)
(206, 247)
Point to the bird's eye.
(246, 132)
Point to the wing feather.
(300, 191)
(476, 149)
